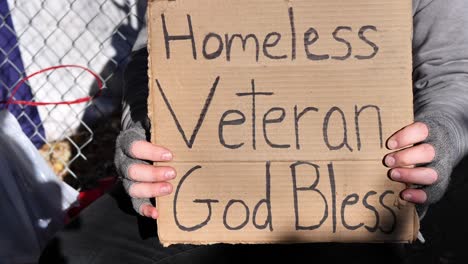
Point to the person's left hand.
(403, 163)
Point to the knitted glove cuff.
(442, 136)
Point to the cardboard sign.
(277, 113)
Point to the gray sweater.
(440, 59)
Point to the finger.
(149, 190)
(146, 151)
(419, 154)
(149, 211)
(416, 196)
(409, 135)
(420, 175)
(136, 203)
(123, 163)
(150, 173)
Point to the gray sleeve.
(135, 123)
(440, 57)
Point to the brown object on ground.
(57, 154)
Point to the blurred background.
(78, 140)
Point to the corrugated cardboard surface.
(332, 81)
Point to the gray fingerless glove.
(447, 154)
(135, 122)
(123, 159)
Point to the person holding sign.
(436, 139)
(422, 154)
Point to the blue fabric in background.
(11, 72)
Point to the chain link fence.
(76, 140)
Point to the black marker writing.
(209, 98)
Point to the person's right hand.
(142, 181)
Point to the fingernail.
(432, 176)
(166, 156)
(407, 197)
(165, 189)
(390, 161)
(395, 175)
(392, 144)
(169, 175)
